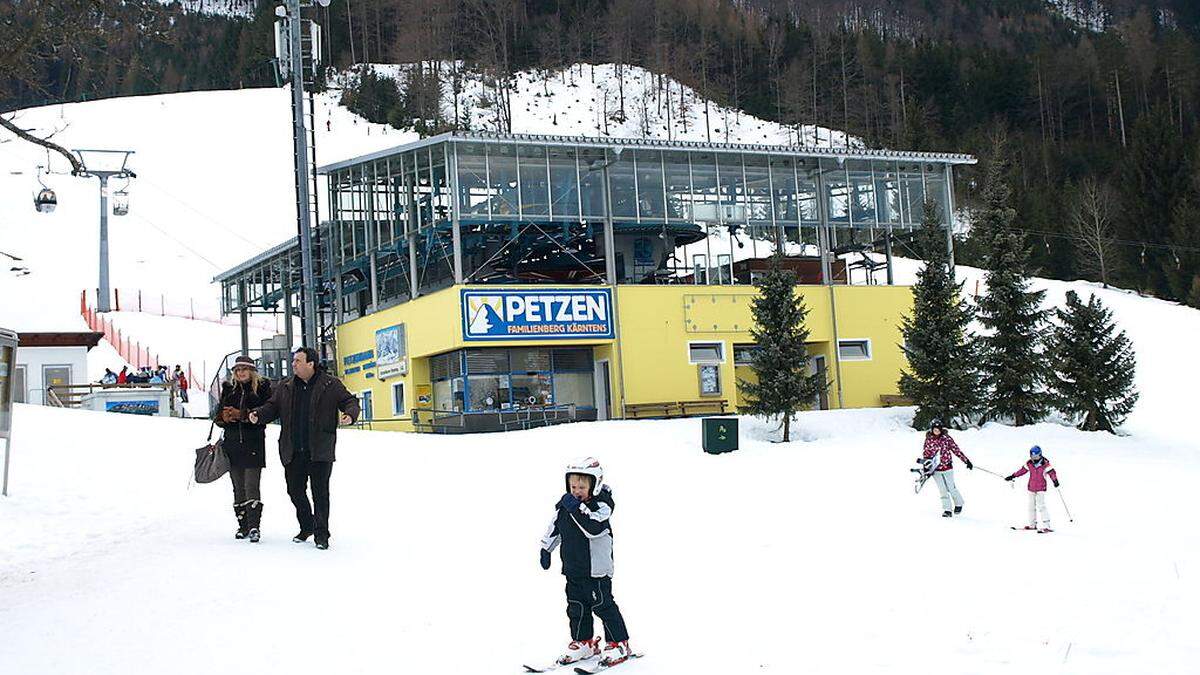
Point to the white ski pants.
(945, 485)
(1037, 504)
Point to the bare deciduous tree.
(1092, 227)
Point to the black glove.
(1009, 477)
(969, 464)
(1055, 483)
(545, 559)
(569, 502)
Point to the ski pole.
(1010, 483)
(1064, 503)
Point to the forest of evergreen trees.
(1103, 127)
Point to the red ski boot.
(579, 650)
(615, 652)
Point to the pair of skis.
(1039, 530)
(587, 666)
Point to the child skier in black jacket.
(581, 525)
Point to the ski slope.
(810, 557)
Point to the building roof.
(657, 144)
(87, 339)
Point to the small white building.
(52, 349)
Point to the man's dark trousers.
(299, 473)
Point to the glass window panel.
(733, 188)
(572, 359)
(502, 166)
(914, 197)
(473, 193)
(529, 360)
(564, 187)
(706, 352)
(862, 198)
(854, 350)
(807, 195)
(679, 185)
(935, 185)
(650, 184)
(743, 355)
(535, 194)
(624, 196)
(783, 179)
(839, 196)
(444, 399)
(439, 183)
(487, 361)
(487, 392)
(887, 196)
(532, 390)
(704, 187)
(574, 388)
(591, 185)
(758, 189)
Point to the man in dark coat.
(309, 406)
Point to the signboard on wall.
(541, 314)
(149, 407)
(390, 352)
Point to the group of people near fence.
(148, 375)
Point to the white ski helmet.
(588, 466)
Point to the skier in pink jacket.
(1038, 468)
(938, 442)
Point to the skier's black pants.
(591, 595)
(299, 474)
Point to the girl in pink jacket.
(1038, 468)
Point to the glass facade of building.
(497, 379)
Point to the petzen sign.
(544, 314)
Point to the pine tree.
(1012, 362)
(941, 378)
(1095, 367)
(781, 360)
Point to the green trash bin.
(720, 434)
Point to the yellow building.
(677, 349)
(478, 282)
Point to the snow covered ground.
(809, 557)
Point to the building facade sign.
(390, 353)
(537, 314)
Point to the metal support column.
(826, 271)
(287, 324)
(610, 253)
(455, 224)
(104, 294)
(303, 180)
(243, 318)
(950, 217)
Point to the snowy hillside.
(614, 101)
(812, 557)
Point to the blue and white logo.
(544, 314)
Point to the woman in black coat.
(245, 443)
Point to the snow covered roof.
(658, 144)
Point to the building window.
(743, 355)
(366, 410)
(854, 350)
(398, 399)
(706, 352)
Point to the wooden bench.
(676, 408)
(889, 400)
